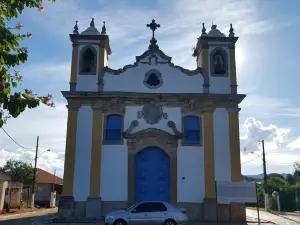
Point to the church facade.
(151, 130)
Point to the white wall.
(114, 173)
(221, 144)
(219, 85)
(87, 82)
(81, 187)
(190, 163)
(174, 81)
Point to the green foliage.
(19, 171)
(290, 179)
(12, 54)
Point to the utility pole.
(34, 173)
(265, 177)
(53, 188)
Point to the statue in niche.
(88, 62)
(219, 63)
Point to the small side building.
(10, 192)
(46, 184)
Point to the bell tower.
(90, 51)
(215, 53)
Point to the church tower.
(89, 55)
(215, 53)
(90, 51)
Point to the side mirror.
(134, 210)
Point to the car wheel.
(170, 222)
(120, 222)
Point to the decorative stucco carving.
(133, 124)
(73, 104)
(172, 125)
(114, 105)
(152, 137)
(152, 113)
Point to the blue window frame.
(113, 132)
(191, 126)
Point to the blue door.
(152, 175)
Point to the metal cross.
(153, 26)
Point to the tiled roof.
(48, 178)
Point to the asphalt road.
(43, 218)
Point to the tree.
(13, 103)
(290, 179)
(19, 171)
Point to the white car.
(148, 213)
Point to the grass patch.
(254, 208)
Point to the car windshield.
(130, 208)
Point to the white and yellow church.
(151, 130)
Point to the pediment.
(154, 59)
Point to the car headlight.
(109, 217)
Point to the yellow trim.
(74, 65)
(95, 181)
(209, 156)
(232, 67)
(205, 64)
(234, 145)
(70, 152)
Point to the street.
(44, 217)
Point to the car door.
(158, 213)
(139, 214)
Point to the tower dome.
(214, 32)
(92, 30)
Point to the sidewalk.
(21, 214)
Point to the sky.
(266, 56)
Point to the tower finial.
(231, 33)
(92, 24)
(103, 28)
(213, 26)
(75, 31)
(203, 30)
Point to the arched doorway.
(152, 175)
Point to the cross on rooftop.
(153, 26)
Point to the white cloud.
(273, 136)
(46, 71)
(47, 123)
(281, 151)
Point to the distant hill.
(256, 177)
(261, 176)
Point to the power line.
(13, 139)
(251, 159)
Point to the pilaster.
(74, 66)
(96, 154)
(233, 81)
(235, 159)
(70, 149)
(209, 157)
